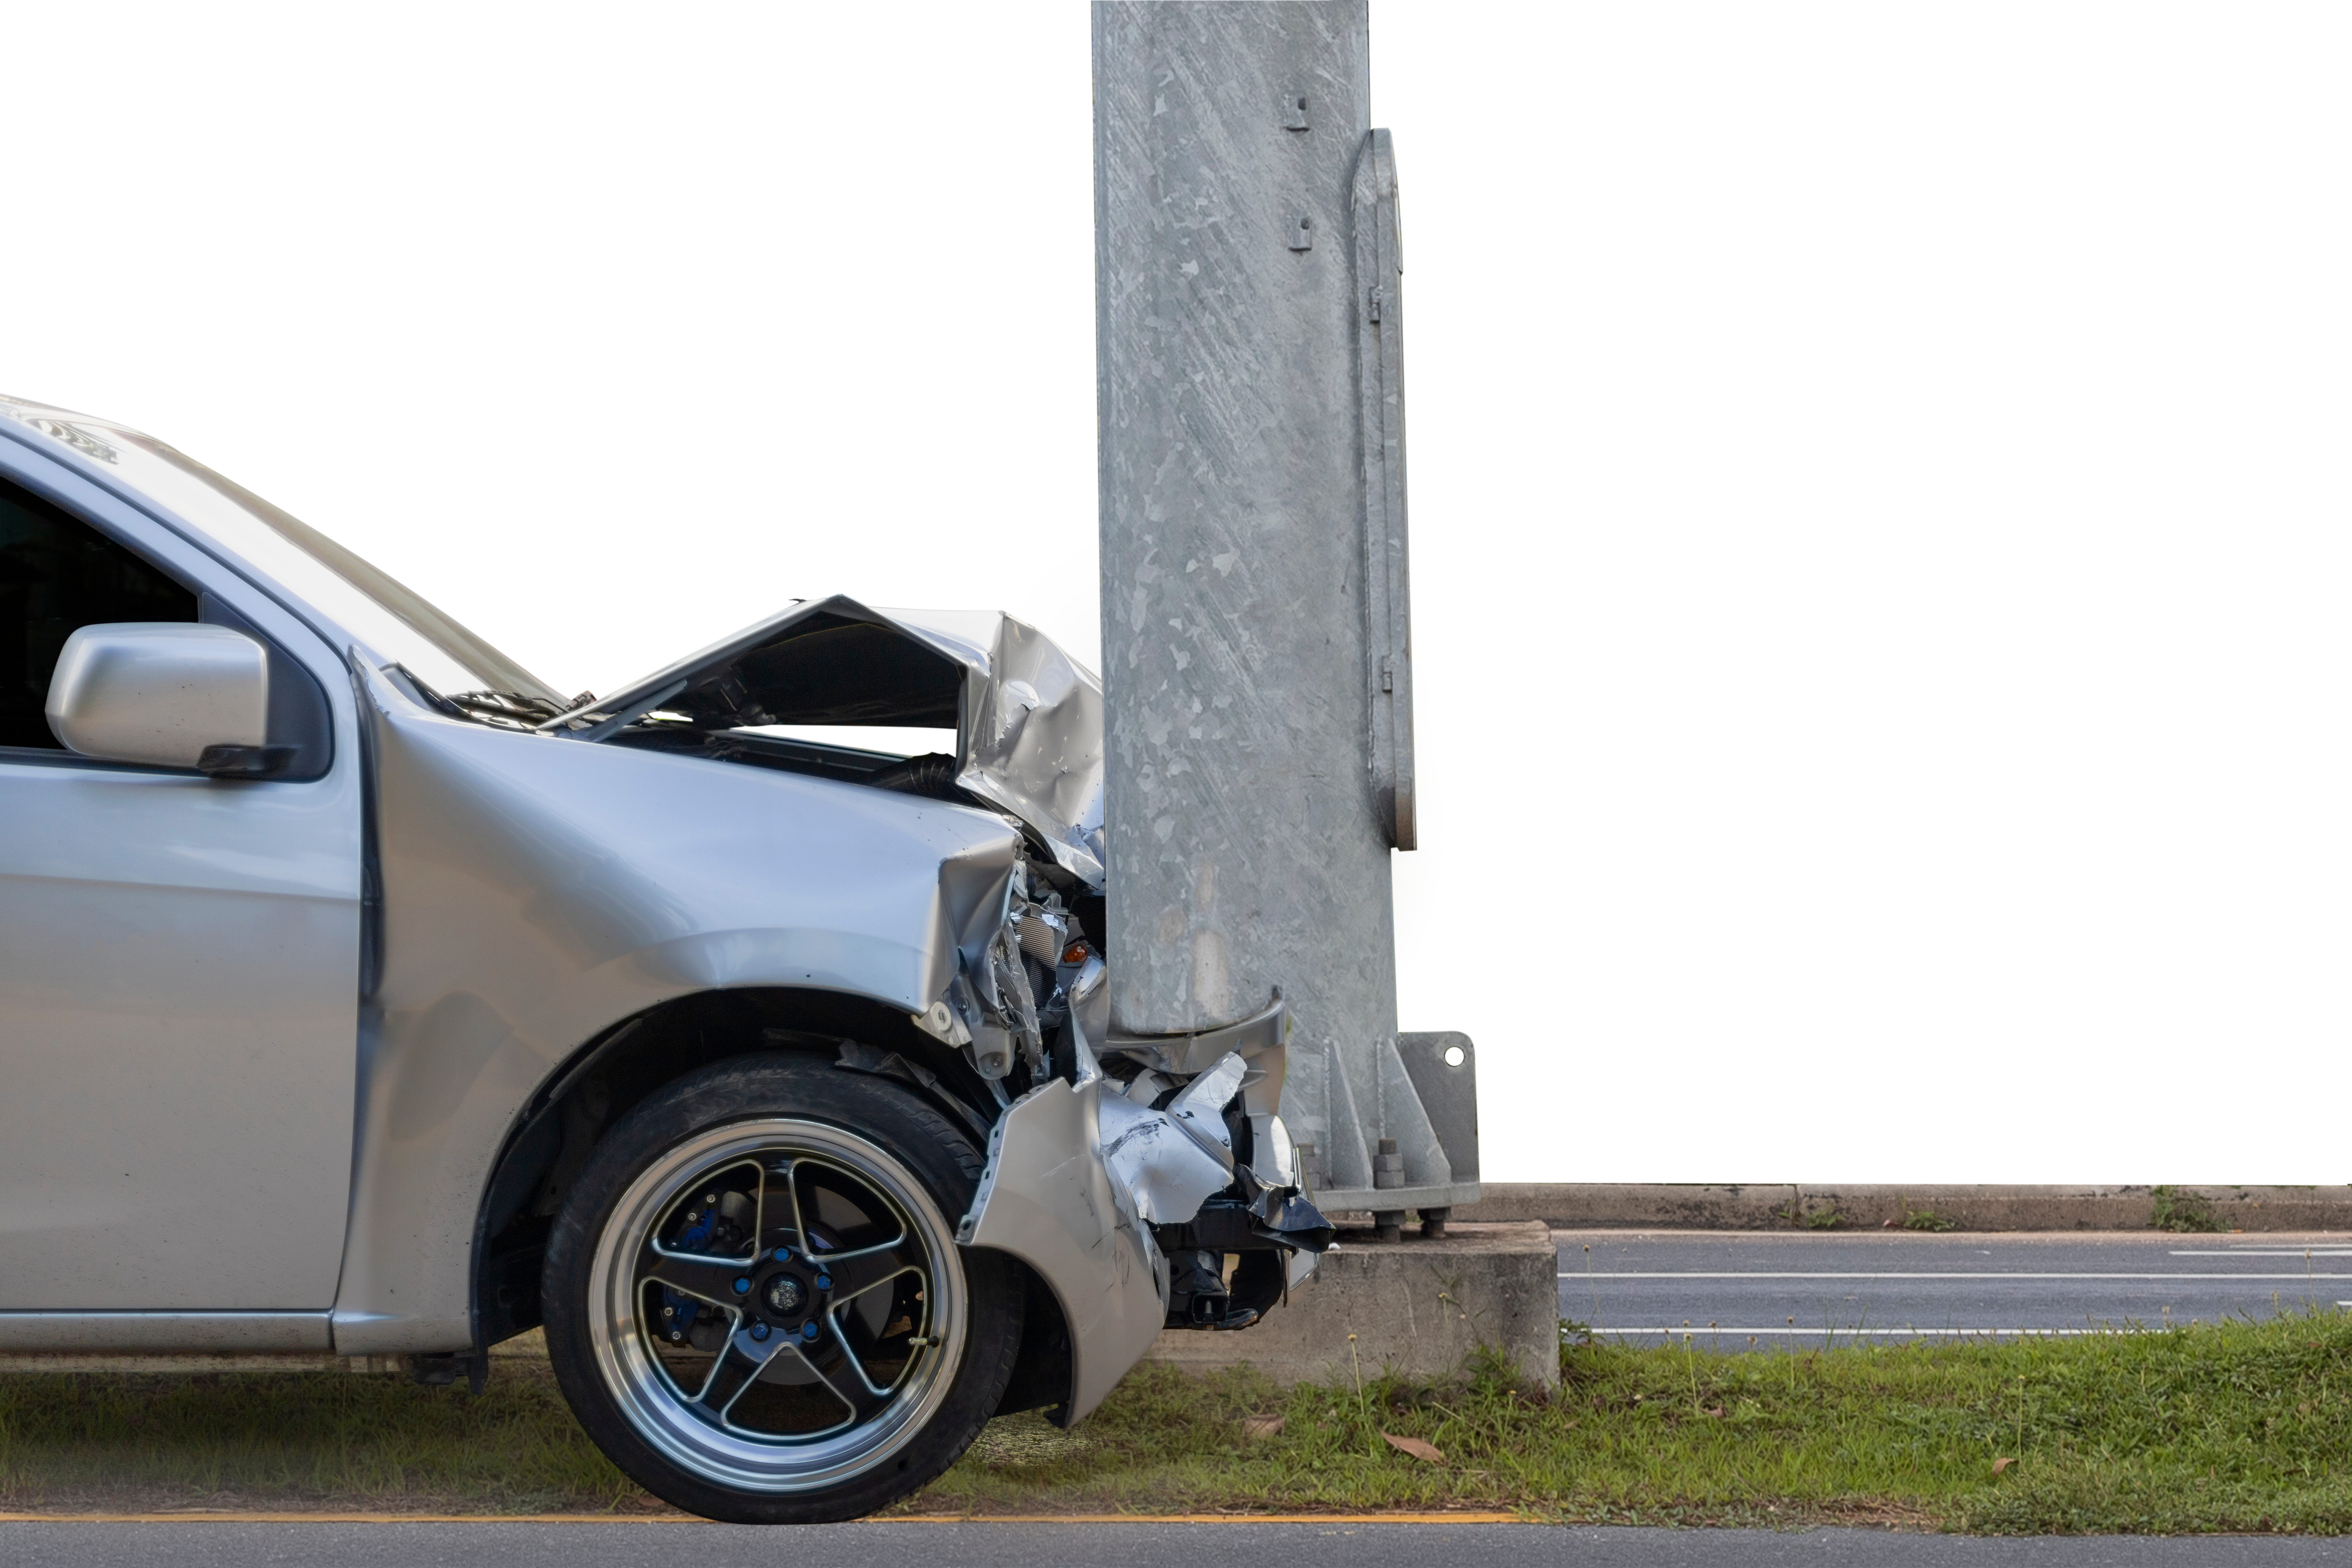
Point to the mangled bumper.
(1091, 1189)
(1047, 1198)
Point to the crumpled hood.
(1028, 718)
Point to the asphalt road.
(1797, 1290)
(1015, 1545)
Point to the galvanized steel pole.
(1255, 656)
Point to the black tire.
(782, 1098)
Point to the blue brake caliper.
(683, 1309)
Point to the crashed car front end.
(1123, 1169)
(771, 1075)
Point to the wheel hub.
(785, 1296)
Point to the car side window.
(58, 573)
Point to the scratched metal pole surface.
(1249, 827)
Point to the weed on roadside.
(2184, 1210)
(1798, 1214)
(1926, 1219)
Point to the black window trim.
(45, 757)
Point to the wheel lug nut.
(758, 1331)
(824, 1281)
(808, 1331)
(741, 1286)
(784, 1255)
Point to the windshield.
(390, 622)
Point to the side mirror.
(168, 694)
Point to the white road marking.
(2267, 1252)
(1952, 1274)
(1872, 1333)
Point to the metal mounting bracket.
(1380, 380)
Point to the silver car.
(366, 1001)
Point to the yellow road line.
(1202, 1519)
(238, 1518)
(230, 1516)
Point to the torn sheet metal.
(1167, 1172)
(1198, 1107)
(1032, 743)
(1043, 1199)
(1259, 1041)
(1175, 1159)
(988, 1008)
(1088, 1225)
(1028, 718)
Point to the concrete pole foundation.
(1418, 1310)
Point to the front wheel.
(754, 1301)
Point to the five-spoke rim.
(776, 1305)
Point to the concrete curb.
(1767, 1206)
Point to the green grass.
(2231, 1427)
(135, 1442)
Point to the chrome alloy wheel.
(776, 1305)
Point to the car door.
(179, 956)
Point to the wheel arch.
(558, 1126)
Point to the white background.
(1879, 476)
